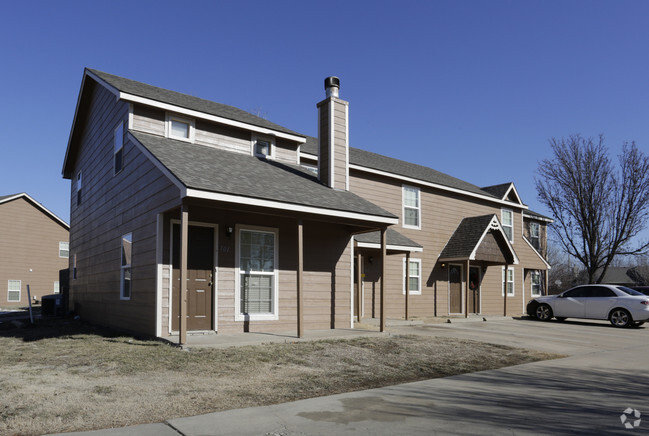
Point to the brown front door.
(474, 289)
(200, 277)
(455, 288)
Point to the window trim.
(20, 291)
(510, 226)
(538, 234)
(535, 273)
(169, 132)
(118, 139)
(123, 267)
(403, 286)
(56, 289)
(271, 146)
(404, 188)
(79, 187)
(503, 283)
(272, 316)
(67, 256)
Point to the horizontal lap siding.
(150, 120)
(327, 272)
(441, 213)
(113, 205)
(29, 250)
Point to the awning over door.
(396, 242)
(479, 238)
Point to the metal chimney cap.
(332, 81)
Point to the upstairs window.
(118, 149)
(535, 233)
(13, 291)
(79, 185)
(508, 223)
(180, 128)
(64, 249)
(125, 269)
(263, 147)
(411, 207)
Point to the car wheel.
(620, 318)
(560, 318)
(543, 312)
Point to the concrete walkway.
(585, 393)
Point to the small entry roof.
(479, 238)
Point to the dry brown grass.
(69, 377)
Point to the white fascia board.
(495, 223)
(272, 204)
(537, 253)
(156, 162)
(536, 217)
(436, 186)
(309, 155)
(202, 115)
(390, 247)
(40, 206)
(512, 187)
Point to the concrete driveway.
(585, 393)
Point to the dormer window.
(180, 128)
(263, 147)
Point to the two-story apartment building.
(271, 229)
(33, 250)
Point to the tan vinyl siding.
(151, 120)
(112, 206)
(148, 120)
(441, 213)
(340, 144)
(327, 272)
(29, 241)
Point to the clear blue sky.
(471, 88)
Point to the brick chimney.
(333, 137)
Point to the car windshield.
(630, 291)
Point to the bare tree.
(599, 210)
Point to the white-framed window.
(125, 269)
(411, 207)
(508, 282)
(79, 186)
(118, 148)
(64, 249)
(263, 147)
(179, 128)
(535, 235)
(57, 288)
(508, 223)
(535, 277)
(414, 277)
(13, 291)
(256, 294)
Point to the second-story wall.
(112, 205)
(152, 120)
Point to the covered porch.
(478, 244)
(255, 270)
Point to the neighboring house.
(33, 249)
(618, 275)
(271, 228)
